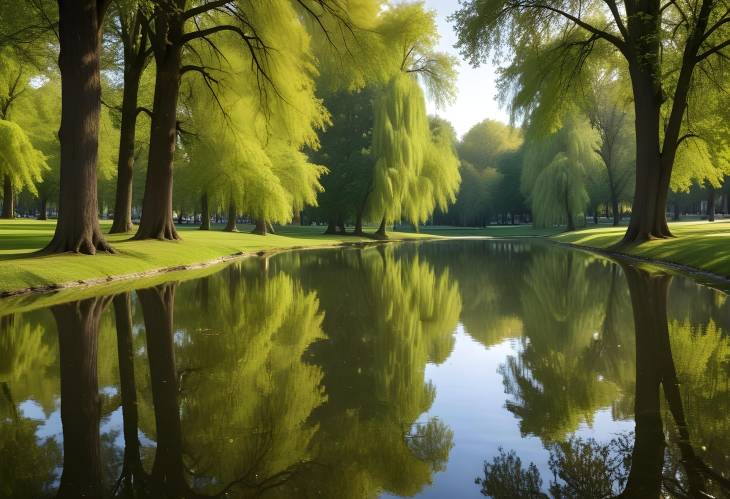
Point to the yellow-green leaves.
(19, 160)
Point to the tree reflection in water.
(645, 464)
(306, 375)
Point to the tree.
(607, 111)
(345, 148)
(270, 36)
(80, 26)
(128, 22)
(21, 165)
(555, 171)
(400, 131)
(661, 79)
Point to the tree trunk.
(156, 221)
(79, 29)
(648, 213)
(43, 211)
(259, 228)
(8, 198)
(677, 211)
(358, 225)
(78, 332)
(380, 233)
(710, 203)
(204, 212)
(569, 214)
(616, 212)
(595, 216)
(125, 164)
(331, 227)
(231, 224)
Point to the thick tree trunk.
(331, 227)
(204, 212)
(125, 164)
(8, 198)
(79, 30)
(259, 228)
(648, 213)
(616, 212)
(78, 331)
(231, 224)
(167, 475)
(710, 203)
(157, 221)
(43, 210)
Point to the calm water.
(390, 371)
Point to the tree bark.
(79, 28)
(380, 233)
(8, 198)
(616, 211)
(331, 227)
(569, 214)
(78, 331)
(204, 212)
(125, 165)
(231, 224)
(358, 225)
(710, 203)
(259, 228)
(43, 211)
(156, 221)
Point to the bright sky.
(476, 89)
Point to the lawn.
(699, 244)
(20, 268)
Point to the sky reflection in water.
(393, 370)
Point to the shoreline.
(9, 296)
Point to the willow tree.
(439, 180)
(663, 45)
(254, 159)
(555, 171)
(401, 133)
(21, 164)
(270, 35)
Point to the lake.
(435, 369)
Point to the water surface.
(388, 371)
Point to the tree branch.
(713, 50)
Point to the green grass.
(699, 244)
(490, 231)
(20, 268)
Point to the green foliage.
(19, 160)
(555, 171)
(400, 138)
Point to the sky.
(476, 89)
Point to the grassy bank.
(20, 268)
(699, 244)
